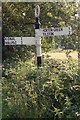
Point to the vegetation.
(51, 91)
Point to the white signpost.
(48, 32)
(58, 31)
(20, 40)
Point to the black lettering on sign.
(44, 30)
(48, 30)
(58, 29)
(44, 34)
(11, 38)
(13, 42)
(6, 42)
(52, 33)
(48, 33)
(51, 29)
(61, 29)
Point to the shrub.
(51, 91)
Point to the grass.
(61, 55)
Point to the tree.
(51, 91)
(56, 14)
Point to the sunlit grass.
(61, 55)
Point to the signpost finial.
(37, 11)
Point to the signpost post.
(59, 31)
(38, 42)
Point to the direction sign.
(20, 40)
(38, 34)
(63, 31)
(54, 31)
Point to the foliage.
(51, 91)
(48, 92)
(56, 14)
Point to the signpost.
(20, 40)
(58, 31)
(48, 32)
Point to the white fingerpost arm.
(20, 40)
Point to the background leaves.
(51, 91)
